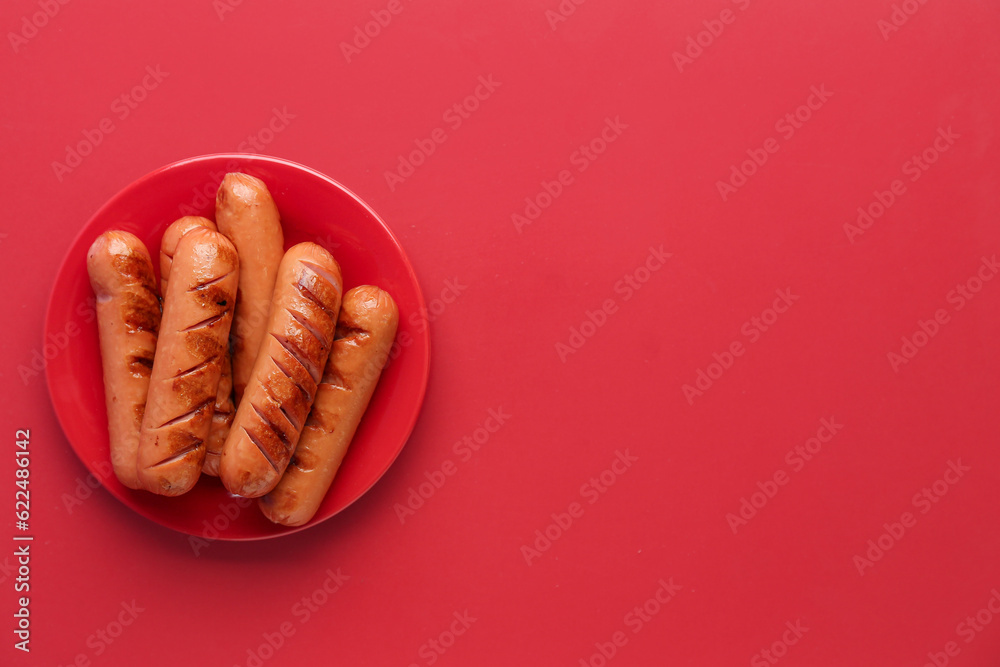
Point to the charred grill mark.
(190, 413)
(203, 344)
(134, 265)
(294, 422)
(206, 322)
(345, 331)
(305, 460)
(179, 455)
(212, 296)
(141, 291)
(227, 254)
(323, 421)
(332, 376)
(261, 447)
(137, 321)
(151, 289)
(306, 395)
(301, 319)
(294, 401)
(140, 314)
(191, 387)
(321, 272)
(209, 283)
(281, 367)
(298, 355)
(140, 365)
(277, 430)
(196, 367)
(299, 402)
(308, 293)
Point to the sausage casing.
(365, 332)
(246, 213)
(128, 319)
(197, 315)
(171, 237)
(292, 356)
(222, 417)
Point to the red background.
(495, 346)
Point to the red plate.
(313, 208)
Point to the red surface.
(314, 209)
(521, 292)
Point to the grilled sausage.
(280, 393)
(197, 315)
(365, 331)
(245, 212)
(128, 319)
(222, 417)
(168, 244)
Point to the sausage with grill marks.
(289, 366)
(171, 237)
(222, 417)
(197, 315)
(128, 319)
(246, 213)
(365, 331)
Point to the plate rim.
(63, 267)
